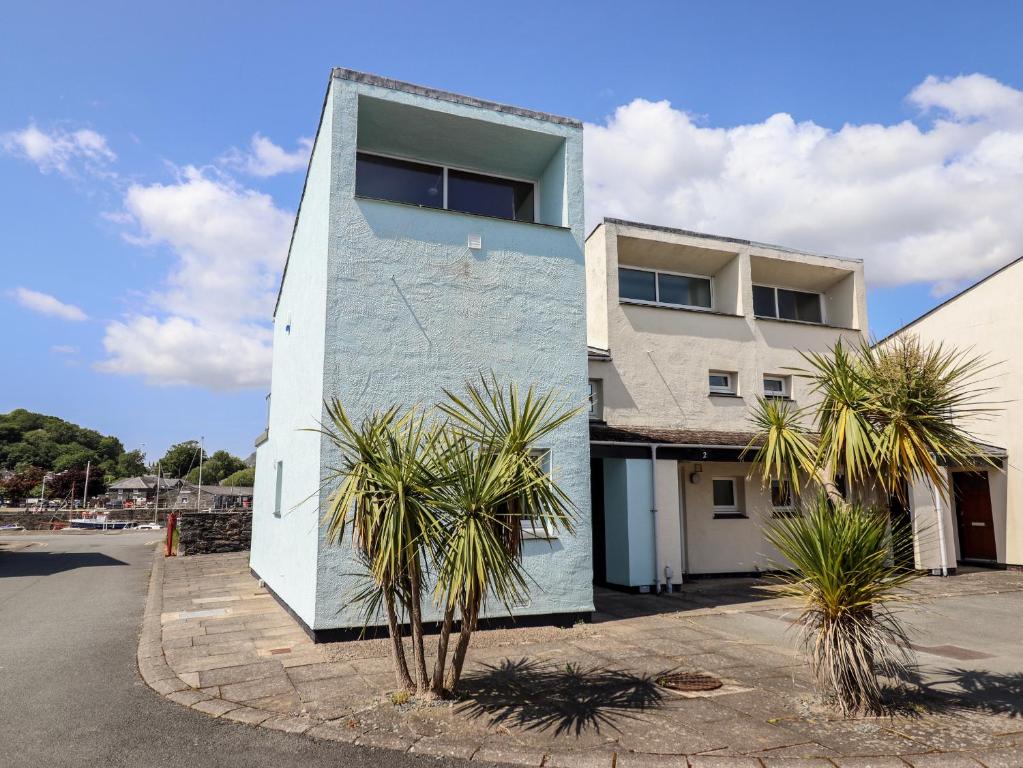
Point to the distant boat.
(101, 523)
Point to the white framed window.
(400, 180)
(721, 382)
(669, 289)
(776, 386)
(725, 491)
(531, 530)
(787, 304)
(596, 399)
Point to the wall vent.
(476, 242)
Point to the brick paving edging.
(158, 675)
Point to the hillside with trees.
(33, 445)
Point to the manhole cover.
(690, 682)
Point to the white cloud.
(64, 349)
(264, 158)
(59, 150)
(937, 204)
(208, 324)
(45, 304)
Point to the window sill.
(675, 307)
(483, 216)
(538, 534)
(731, 395)
(805, 322)
(731, 516)
(786, 398)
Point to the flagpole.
(85, 492)
(198, 496)
(156, 512)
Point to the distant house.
(143, 489)
(213, 497)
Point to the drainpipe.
(940, 512)
(653, 513)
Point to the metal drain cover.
(689, 682)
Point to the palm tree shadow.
(969, 689)
(538, 696)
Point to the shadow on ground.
(537, 695)
(49, 563)
(974, 689)
(709, 593)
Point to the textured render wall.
(413, 310)
(596, 290)
(727, 545)
(658, 375)
(204, 533)
(284, 549)
(986, 320)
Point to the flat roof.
(455, 98)
(719, 238)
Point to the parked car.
(148, 527)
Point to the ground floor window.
(726, 497)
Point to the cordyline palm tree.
(496, 488)
(385, 495)
(446, 501)
(887, 417)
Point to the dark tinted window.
(636, 284)
(797, 305)
(724, 493)
(489, 196)
(399, 180)
(763, 301)
(688, 291)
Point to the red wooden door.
(973, 516)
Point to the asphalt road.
(70, 693)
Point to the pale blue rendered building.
(438, 236)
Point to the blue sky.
(142, 227)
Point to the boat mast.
(156, 511)
(85, 491)
(198, 495)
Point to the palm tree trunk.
(401, 674)
(416, 615)
(469, 615)
(442, 650)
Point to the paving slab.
(581, 697)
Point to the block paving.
(215, 641)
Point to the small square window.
(776, 386)
(781, 499)
(724, 495)
(596, 399)
(721, 382)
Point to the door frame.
(960, 522)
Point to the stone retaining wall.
(203, 533)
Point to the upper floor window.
(596, 399)
(436, 186)
(787, 304)
(668, 288)
(776, 386)
(721, 383)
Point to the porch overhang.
(634, 442)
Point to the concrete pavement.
(71, 606)
(586, 696)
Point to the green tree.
(131, 464)
(214, 469)
(181, 458)
(887, 417)
(243, 478)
